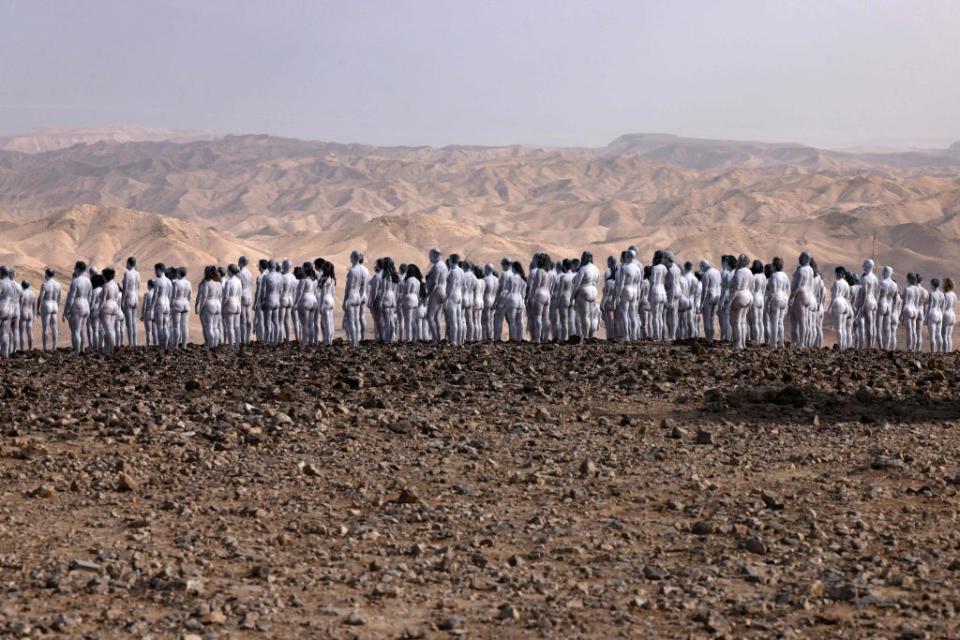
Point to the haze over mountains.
(196, 201)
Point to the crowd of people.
(460, 301)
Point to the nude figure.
(110, 310)
(180, 308)
(77, 306)
(949, 314)
(815, 338)
(209, 306)
(8, 300)
(93, 322)
(372, 296)
(287, 291)
(585, 296)
(516, 286)
(479, 302)
(28, 303)
(608, 303)
(538, 299)
(658, 297)
(802, 301)
(865, 307)
(354, 297)
(741, 299)
(270, 303)
(306, 302)
(711, 298)
(327, 290)
(728, 265)
(506, 264)
(18, 295)
(246, 299)
(777, 301)
(453, 300)
(686, 305)
(491, 282)
(131, 296)
(146, 316)
(887, 294)
(48, 305)
(469, 288)
(912, 313)
(841, 311)
(436, 294)
(260, 329)
(162, 296)
(671, 282)
(934, 316)
(386, 302)
(232, 307)
(756, 315)
(629, 277)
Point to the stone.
(42, 491)
(355, 619)
(508, 612)
(407, 496)
(655, 572)
(704, 437)
(125, 482)
(588, 468)
(755, 545)
(701, 528)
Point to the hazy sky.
(825, 72)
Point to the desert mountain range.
(173, 197)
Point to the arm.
(71, 296)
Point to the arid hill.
(207, 200)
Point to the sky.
(832, 73)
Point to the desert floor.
(596, 490)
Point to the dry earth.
(596, 490)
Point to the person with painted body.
(887, 294)
(180, 308)
(146, 316)
(538, 299)
(412, 289)
(386, 301)
(259, 326)
(76, 309)
(629, 277)
(9, 300)
(816, 317)
(453, 300)
(949, 314)
(728, 265)
(110, 310)
(306, 303)
(516, 286)
(777, 302)
(756, 315)
(162, 296)
(479, 302)
(500, 311)
(608, 303)
(865, 306)
(555, 277)
(231, 307)
(841, 311)
(491, 285)
(287, 291)
(354, 297)
(585, 296)
(671, 282)
(933, 317)
(741, 300)
(469, 290)
(48, 305)
(373, 288)
(658, 296)
(911, 314)
(685, 308)
(246, 299)
(18, 295)
(436, 294)
(710, 304)
(802, 301)
(96, 300)
(209, 306)
(28, 306)
(131, 296)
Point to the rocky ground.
(598, 490)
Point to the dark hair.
(698, 275)
(262, 263)
(646, 272)
(586, 258)
(211, 273)
(182, 272)
(768, 270)
(911, 278)
(851, 278)
(233, 269)
(454, 259)
(918, 277)
(80, 265)
(172, 273)
(777, 263)
(48, 272)
(306, 271)
(657, 257)
(935, 283)
(518, 269)
(413, 271)
(391, 270)
(150, 283)
(948, 285)
(298, 272)
(97, 281)
(545, 262)
(757, 267)
(477, 271)
(221, 271)
(243, 261)
(131, 261)
(688, 266)
(157, 267)
(25, 284)
(328, 273)
(813, 265)
(743, 261)
(575, 263)
(108, 275)
(840, 271)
